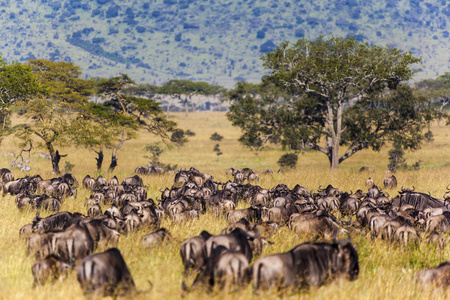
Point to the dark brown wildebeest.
(226, 268)
(58, 221)
(237, 240)
(105, 274)
(419, 201)
(251, 214)
(436, 277)
(191, 251)
(50, 267)
(309, 264)
(74, 243)
(390, 182)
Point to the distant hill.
(217, 41)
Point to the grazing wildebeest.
(155, 238)
(50, 267)
(419, 201)
(74, 243)
(309, 264)
(105, 274)
(191, 251)
(390, 182)
(436, 277)
(58, 221)
(237, 240)
(226, 268)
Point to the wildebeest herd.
(66, 240)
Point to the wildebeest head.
(347, 260)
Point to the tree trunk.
(56, 158)
(99, 160)
(113, 164)
(168, 109)
(186, 108)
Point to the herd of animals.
(68, 240)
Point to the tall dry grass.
(386, 269)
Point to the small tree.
(288, 160)
(216, 137)
(155, 150)
(327, 94)
(218, 151)
(178, 137)
(396, 159)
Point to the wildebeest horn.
(448, 187)
(403, 190)
(414, 188)
(387, 194)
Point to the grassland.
(386, 269)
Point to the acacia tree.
(131, 113)
(335, 91)
(185, 89)
(17, 82)
(438, 91)
(51, 113)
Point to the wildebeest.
(419, 201)
(390, 182)
(309, 264)
(191, 251)
(155, 238)
(435, 277)
(105, 274)
(369, 183)
(50, 267)
(237, 240)
(226, 268)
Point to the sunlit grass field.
(386, 270)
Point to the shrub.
(218, 151)
(189, 133)
(178, 137)
(288, 160)
(216, 137)
(155, 150)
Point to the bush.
(178, 137)
(216, 137)
(189, 133)
(218, 151)
(288, 160)
(68, 167)
(155, 150)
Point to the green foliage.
(155, 150)
(338, 91)
(288, 160)
(178, 137)
(17, 83)
(217, 150)
(216, 137)
(68, 167)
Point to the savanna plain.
(386, 269)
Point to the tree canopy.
(17, 82)
(328, 93)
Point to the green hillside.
(215, 41)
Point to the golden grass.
(386, 269)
